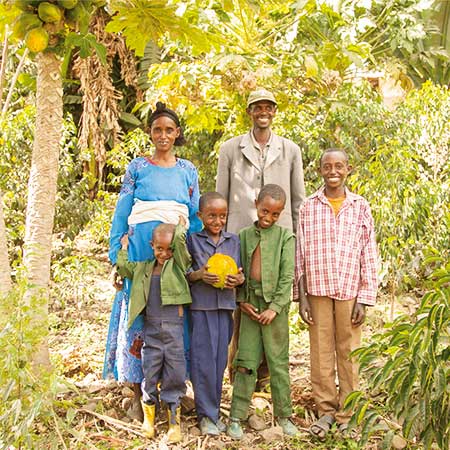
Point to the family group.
(170, 322)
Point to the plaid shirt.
(337, 254)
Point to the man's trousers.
(332, 338)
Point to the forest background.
(73, 114)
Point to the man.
(248, 162)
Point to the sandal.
(320, 428)
(346, 431)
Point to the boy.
(211, 310)
(336, 277)
(160, 288)
(267, 255)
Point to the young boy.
(267, 255)
(211, 310)
(336, 277)
(159, 290)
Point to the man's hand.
(358, 314)
(250, 310)
(208, 277)
(304, 308)
(235, 280)
(267, 316)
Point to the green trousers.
(254, 339)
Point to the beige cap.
(260, 94)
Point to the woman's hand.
(182, 221)
(116, 279)
(233, 281)
(124, 242)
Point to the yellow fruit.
(37, 40)
(49, 13)
(68, 4)
(222, 265)
(24, 23)
(25, 4)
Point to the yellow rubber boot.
(148, 427)
(174, 433)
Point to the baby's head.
(213, 210)
(270, 204)
(162, 242)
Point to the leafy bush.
(408, 368)
(27, 397)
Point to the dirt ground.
(99, 410)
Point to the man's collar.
(256, 143)
(320, 194)
(223, 234)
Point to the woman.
(155, 189)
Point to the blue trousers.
(163, 361)
(211, 334)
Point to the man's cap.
(260, 94)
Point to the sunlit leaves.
(141, 21)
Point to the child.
(267, 255)
(336, 277)
(211, 310)
(159, 290)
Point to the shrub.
(408, 368)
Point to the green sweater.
(174, 286)
(277, 263)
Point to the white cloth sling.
(166, 211)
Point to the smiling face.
(163, 132)
(161, 246)
(214, 216)
(334, 169)
(262, 113)
(268, 211)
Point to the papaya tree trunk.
(5, 269)
(42, 189)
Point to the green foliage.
(27, 397)
(405, 179)
(16, 137)
(69, 275)
(73, 208)
(408, 368)
(86, 43)
(141, 21)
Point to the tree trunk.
(42, 188)
(5, 269)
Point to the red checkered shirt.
(337, 253)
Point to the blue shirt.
(201, 247)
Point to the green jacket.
(277, 263)
(174, 286)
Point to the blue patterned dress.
(149, 182)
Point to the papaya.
(78, 17)
(24, 5)
(221, 265)
(68, 4)
(24, 23)
(49, 13)
(37, 40)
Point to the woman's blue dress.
(144, 181)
